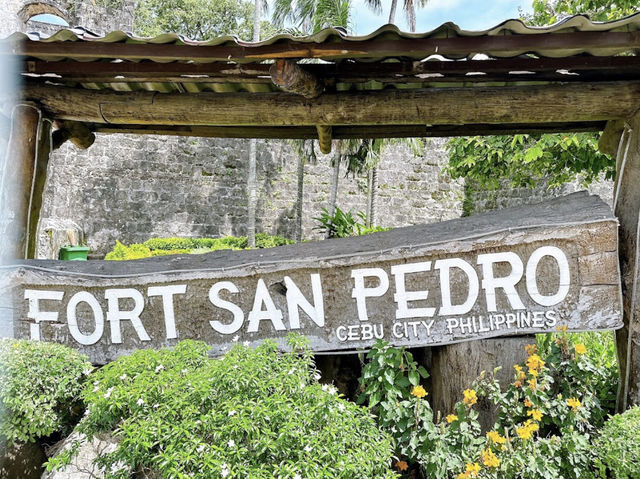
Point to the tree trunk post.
(627, 209)
(22, 180)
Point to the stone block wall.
(132, 188)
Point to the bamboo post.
(18, 181)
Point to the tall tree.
(252, 185)
(527, 159)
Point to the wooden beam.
(293, 78)
(568, 103)
(532, 69)
(347, 132)
(37, 189)
(324, 138)
(610, 139)
(498, 46)
(627, 209)
(74, 131)
(18, 176)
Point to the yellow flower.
(520, 372)
(533, 384)
(496, 438)
(526, 431)
(531, 349)
(536, 414)
(527, 402)
(562, 329)
(451, 418)
(470, 397)
(535, 362)
(518, 384)
(463, 475)
(402, 465)
(533, 372)
(473, 469)
(489, 458)
(559, 397)
(574, 403)
(580, 348)
(419, 392)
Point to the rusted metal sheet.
(516, 271)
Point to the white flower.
(308, 448)
(316, 376)
(291, 371)
(107, 395)
(95, 388)
(159, 368)
(123, 377)
(325, 387)
(232, 413)
(184, 371)
(231, 443)
(297, 476)
(245, 344)
(236, 338)
(200, 448)
(140, 402)
(86, 372)
(341, 407)
(225, 471)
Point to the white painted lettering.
(295, 300)
(361, 293)
(114, 315)
(506, 283)
(402, 296)
(258, 314)
(72, 319)
(445, 265)
(216, 300)
(167, 293)
(563, 283)
(34, 296)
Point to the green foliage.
(595, 371)
(40, 385)
(311, 16)
(526, 159)
(169, 246)
(618, 447)
(196, 19)
(539, 434)
(255, 413)
(546, 12)
(344, 224)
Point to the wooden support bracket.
(76, 132)
(610, 138)
(325, 136)
(293, 78)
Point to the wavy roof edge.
(577, 23)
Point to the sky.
(467, 14)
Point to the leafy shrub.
(253, 413)
(344, 224)
(168, 246)
(618, 447)
(595, 371)
(40, 388)
(539, 434)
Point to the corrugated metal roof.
(287, 45)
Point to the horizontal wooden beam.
(343, 71)
(349, 132)
(562, 103)
(498, 45)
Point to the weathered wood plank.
(500, 274)
(627, 209)
(493, 105)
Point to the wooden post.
(627, 209)
(23, 178)
(456, 366)
(324, 138)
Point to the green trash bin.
(74, 253)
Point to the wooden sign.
(511, 272)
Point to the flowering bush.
(252, 413)
(40, 385)
(543, 429)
